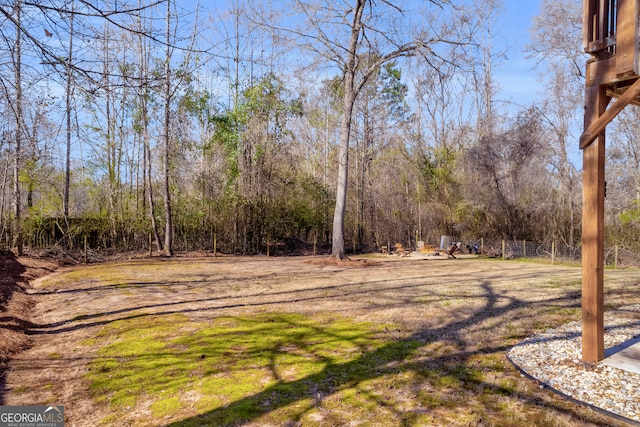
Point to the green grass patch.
(116, 274)
(238, 368)
(569, 312)
(165, 407)
(562, 283)
(547, 260)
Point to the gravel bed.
(554, 359)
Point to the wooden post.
(215, 244)
(613, 70)
(553, 252)
(615, 255)
(315, 241)
(504, 255)
(150, 246)
(524, 248)
(482, 245)
(593, 232)
(85, 249)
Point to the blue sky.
(517, 76)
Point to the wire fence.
(616, 256)
(510, 249)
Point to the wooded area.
(261, 126)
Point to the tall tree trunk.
(5, 178)
(143, 96)
(68, 98)
(110, 136)
(147, 174)
(168, 230)
(17, 236)
(337, 250)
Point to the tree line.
(257, 127)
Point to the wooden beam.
(603, 19)
(600, 72)
(588, 11)
(627, 37)
(597, 126)
(587, 29)
(593, 231)
(616, 94)
(599, 45)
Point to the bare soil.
(467, 306)
(15, 304)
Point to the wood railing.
(599, 27)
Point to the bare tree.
(556, 45)
(68, 113)
(166, 138)
(482, 72)
(506, 178)
(346, 36)
(144, 89)
(172, 81)
(19, 129)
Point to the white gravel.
(554, 359)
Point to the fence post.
(315, 241)
(524, 248)
(482, 245)
(215, 243)
(615, 261)
(85, 249)
(553, 252)
(503, 250)
(150, 246)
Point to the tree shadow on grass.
(454, 372)
(450, 370)
(276, 298)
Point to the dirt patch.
(15, 304)
(347, 262)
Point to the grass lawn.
(296, 341)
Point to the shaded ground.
(461, 313)
(15, 305)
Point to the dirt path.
(468, 304)
(15, 305)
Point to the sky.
(517, 76)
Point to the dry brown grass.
(447, 325)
